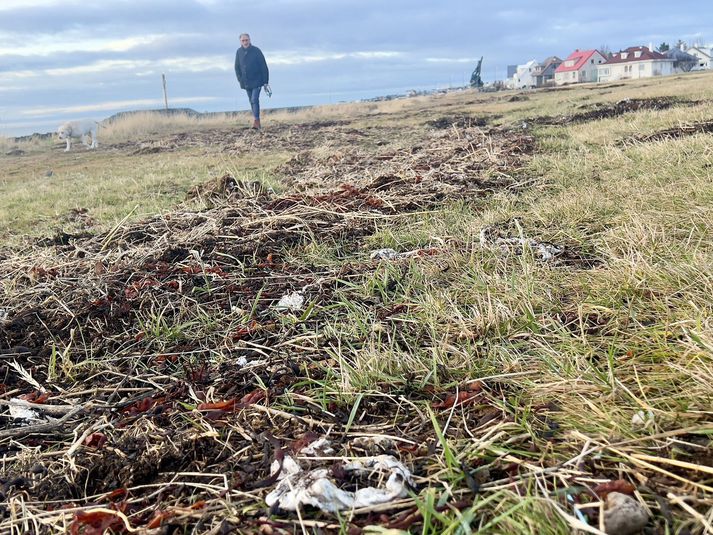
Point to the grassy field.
(534, 339)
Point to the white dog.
(79, 129)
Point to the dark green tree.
(663, 47)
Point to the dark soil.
(607, 111)
(678, 132)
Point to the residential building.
(704, 55)
(580, 66)
(545, 75)
(524, 76)
(635, 62)
(682, 61)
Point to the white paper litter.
(4, 313)
(318, 489)
(391, 254)
(243, 361)
(384, 254)
(289, 467)
(292, 302)
(319, 448)
(544, 251)
(19, 410)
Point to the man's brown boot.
(256, 124)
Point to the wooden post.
(165, 97)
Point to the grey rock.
(624, 515)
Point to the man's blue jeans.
(254, 96)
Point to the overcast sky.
(70, 59)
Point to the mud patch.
(155, 148)
(227, 186)
(607, 111)
(64, 238)
(443, 164)
(678, 132)
(459, 121)
(273, 137)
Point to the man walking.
(252, 73)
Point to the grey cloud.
(513, 32)
(98, 16)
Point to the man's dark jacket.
(251, 67)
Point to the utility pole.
(165, 97)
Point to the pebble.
(624, 515)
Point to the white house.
(635, 62)
(704, 55)
(682, 61)
(524, 76)
(580, 66)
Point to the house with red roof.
(635, 62)
(580, 66)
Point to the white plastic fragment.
(289, 467)
(384, 254)
(4, 314)
(642, 419)
(320, 447)
(243, 361)
(318, 489)
(291, 302)
(19, 410)
(391, 254)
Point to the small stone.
(624, 515)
